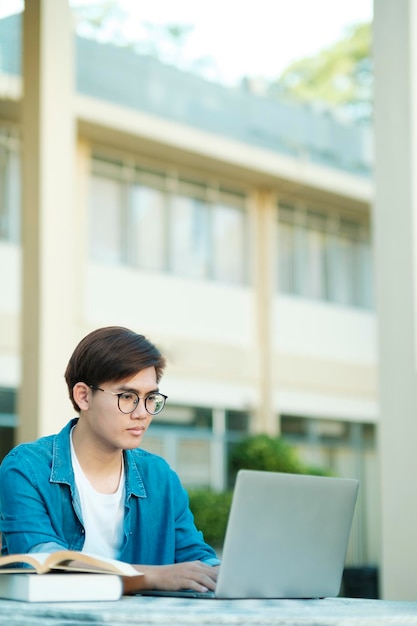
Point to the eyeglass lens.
(128, 401)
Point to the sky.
(258, 38)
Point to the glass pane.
(350, 229)
(286, 213)
(3, 194)
(193, 461)
(106, 204)
(10, 185)
(351, 271)
(237, 421)
(286, 254)
(365, 284)
(14, 197)
(146, 235)
(314, 264)
(325, 256)
(7, 440)
(345, 288)
(189, 237)
(229, 244)
(8, 400)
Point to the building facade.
(233, 230)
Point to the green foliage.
(262, 452)
(211, 511)
(258, 452)
(340, 75)
(270, 454)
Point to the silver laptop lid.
(287, 536)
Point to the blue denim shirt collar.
(62, 472)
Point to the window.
(156, 222)
(237, 421)
(346, 449)
(286, 247)
(146, 235)
(8, 420)
(229, 243)
(105, 223)
(314, 282)
(324, 255)
(189, 236)
(330, 444)
(196, 442)
(10, 185)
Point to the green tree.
(339, 76)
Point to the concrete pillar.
(218, 452)
(265, 229)
(395, 211)
(48, 233)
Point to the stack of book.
(63, 576)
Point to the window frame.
(212, 195)
(294, 266)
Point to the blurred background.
(202, 174)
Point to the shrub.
(211, 511)
(258, 452)
(262, 452)
(270, 454)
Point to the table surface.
(147, 611)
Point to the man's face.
(109, 427)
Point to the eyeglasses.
(127, 401)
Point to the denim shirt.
(40, 507)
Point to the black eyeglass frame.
(121, 393)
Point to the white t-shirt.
(102, 513)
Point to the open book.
(64, 560)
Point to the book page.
(84, 562)
(34, 561)
(65, 560)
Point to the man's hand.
(193, 575)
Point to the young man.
(92, 488)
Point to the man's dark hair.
(111, 353)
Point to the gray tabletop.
(146, 611)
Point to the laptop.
(286, 537)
